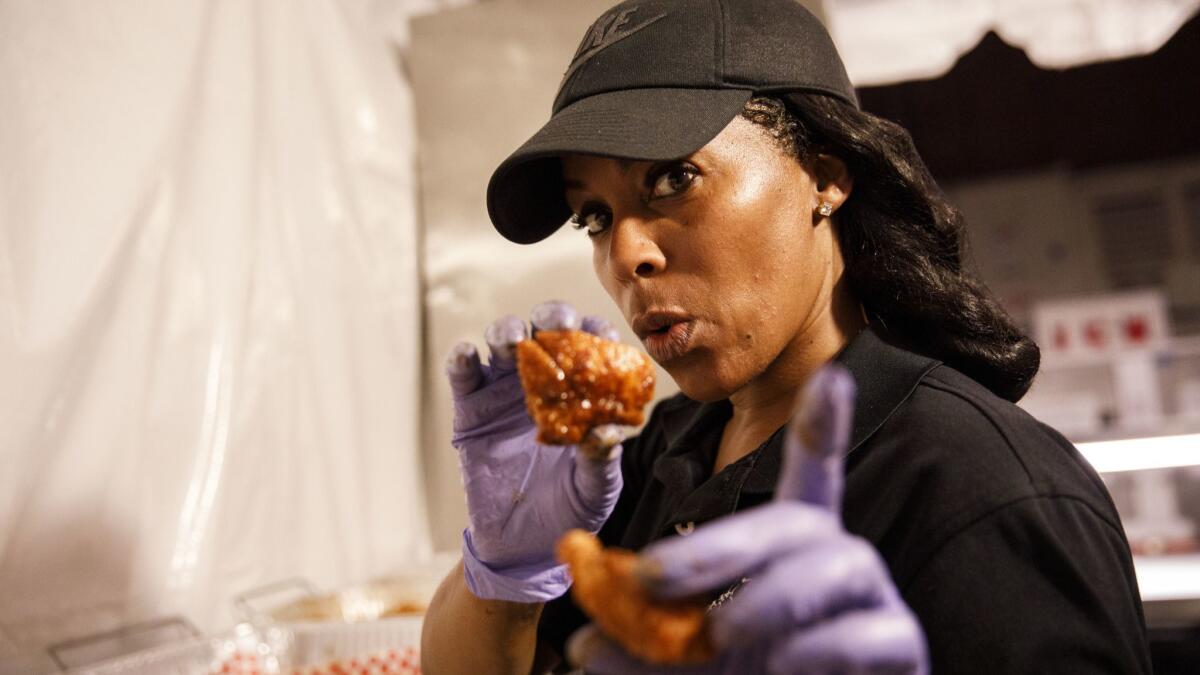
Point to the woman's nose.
(634, 252)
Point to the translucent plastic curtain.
(208, 308)
(885, 41)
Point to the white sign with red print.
(1098, 328)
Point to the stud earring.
(825, 209)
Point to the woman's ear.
(833, 182)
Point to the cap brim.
(525, 195)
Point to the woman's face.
(715, 260)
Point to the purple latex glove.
(817, 599)
(523, 495)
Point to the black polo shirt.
(1000, 537)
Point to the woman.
(753, 226)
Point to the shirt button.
(684, 529)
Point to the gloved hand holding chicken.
(815, 599)
(522, 494)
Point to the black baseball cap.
(657, 80)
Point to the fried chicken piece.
(607, 591)
(575, 381)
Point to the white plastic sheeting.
(886, 41)
(209, 313)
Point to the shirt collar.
(885, 375)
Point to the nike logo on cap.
(607, 31)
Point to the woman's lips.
(675, 341)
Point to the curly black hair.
(904, 244)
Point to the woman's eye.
(672, 181)
(593, 221)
